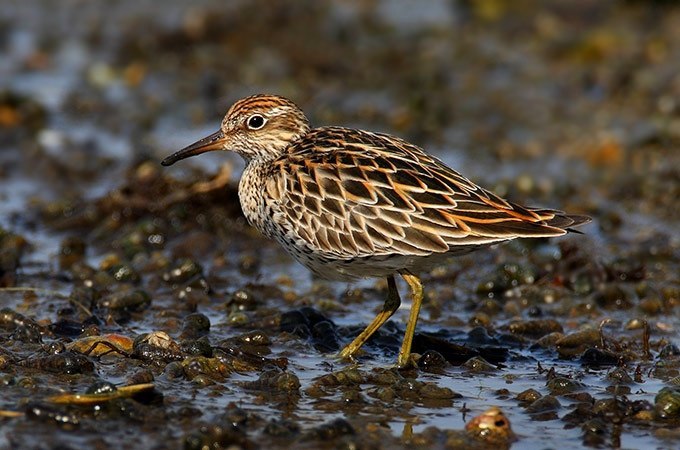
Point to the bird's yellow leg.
(417, 294)
(391, 305)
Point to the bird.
(349, 203)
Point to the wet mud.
(138, 308)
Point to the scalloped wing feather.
(352, 193)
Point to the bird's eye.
(256, 121)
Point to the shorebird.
(349, 203)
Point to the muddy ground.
(116, 272)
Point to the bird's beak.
(211, 143)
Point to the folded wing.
(352, 193)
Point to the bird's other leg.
(391, 305)
(417, 294)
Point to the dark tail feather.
(572, 230)
(567, 221)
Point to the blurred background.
(585, 91)
(566, 104)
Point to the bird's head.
(256, 127)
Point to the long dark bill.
(207, 144)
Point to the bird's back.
(350, 195)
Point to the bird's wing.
(353, 193)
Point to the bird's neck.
(251, 190)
